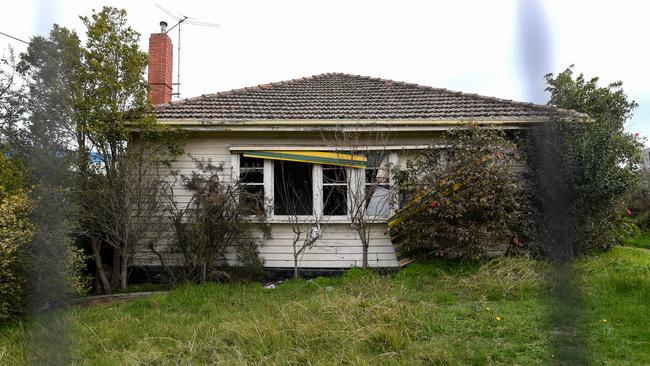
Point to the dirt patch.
(104, 299)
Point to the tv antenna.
(180, 20)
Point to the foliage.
(39, 138)
(88, 108)
(640, 240)
(12, 99)
(115, 102)
(464, 200)
(12, 174)
(584, 169)
(79, 101)
(15, 233)
(51, 67)
(214, 224)
(639, 202)
(607, 106)
(428, 313)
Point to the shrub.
(216, 223)
(33, 255)
(639, 203)
(464, 200)
(15, 233)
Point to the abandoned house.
(269, 134)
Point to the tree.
(128, 209)
(464, 199)
(368, 189)
(115, 103)
(215, 223)
(88, 105)
(297, 205)
(584, 168)
(41, 141)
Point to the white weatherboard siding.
(339, 245)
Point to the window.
(377, 185)
(304, 188)
(292, 188)
(335, 190)
(251, 179)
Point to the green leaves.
(589, 167)
(608, 105)
(116, 92)
(472, 201)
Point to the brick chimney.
(160, 66)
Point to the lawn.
(640, 241)
(438, 313)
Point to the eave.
(352, 125)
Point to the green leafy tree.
(585, 168)
(88, 109)
(40, 138)
(116, 104)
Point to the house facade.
(298, 131)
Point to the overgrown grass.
(437, 313)
(640, 241)
(616, 289)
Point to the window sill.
(310, 220)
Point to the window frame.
(352, 175)
(348, 173)
(272, 214)
(389, 162)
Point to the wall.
(338, 247)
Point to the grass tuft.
(439, 313)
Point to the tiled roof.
(336, 96)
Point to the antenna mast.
(180, 20)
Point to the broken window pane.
(292, 187)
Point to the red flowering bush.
(467, 199)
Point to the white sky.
(471, 46)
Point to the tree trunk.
(295, 266)
(204, 271)
(101, 275)
(364, 260)
(364, 245)
(115, 271)
(123, 272)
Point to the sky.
(494, 48)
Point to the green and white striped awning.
(315, 157)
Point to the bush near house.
(217, 219)
(467, 199)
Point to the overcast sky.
(494, 48)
